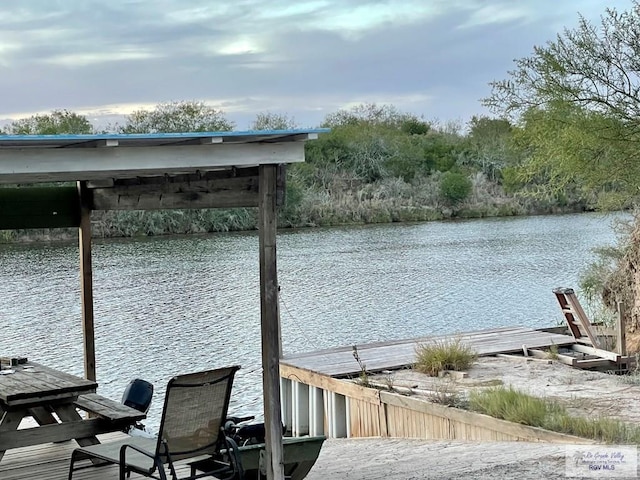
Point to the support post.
(621, 329)
(86, 285)
(270, 323)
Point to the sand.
(583, 392)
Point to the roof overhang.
(61, 158)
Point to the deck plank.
(339, 362)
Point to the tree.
(577, 101)
(58, 122)
(594, 68)
(273, 121)
(489, 141)
(373, 114)
(178, 117)
(455, 187)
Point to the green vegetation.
(377, 165)
(432, 358)
(511, 405)
(177, 117)
(575, 103)
(575, 107)
(58, 122)
(455, 187)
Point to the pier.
(321, 393)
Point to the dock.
(322, 394)
(393, 355)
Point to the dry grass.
(432, 358)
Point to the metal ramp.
(577, 321)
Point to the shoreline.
(68, 235)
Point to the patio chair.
(194, 412)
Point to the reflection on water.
(173, 305)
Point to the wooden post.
(621, 329)
(270, 323)
(86, 285)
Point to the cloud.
(489, 14)
(307, 58)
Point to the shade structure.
(83, 173)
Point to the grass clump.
(509, 404)
(553, 352)
(432, 358)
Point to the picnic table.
(55, 400)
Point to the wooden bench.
(103, 407)
(104, 416)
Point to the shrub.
(435, 357)
(455, 187)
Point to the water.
(174, 305)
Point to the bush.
(435, 357)
(455, 187)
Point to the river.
(172, 305)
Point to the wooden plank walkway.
(339, 362)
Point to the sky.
(304, 58)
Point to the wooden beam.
(86, 278)
(594, 363)
(39, 207)
(479, 420)
(621, 329)
(65, 164)
(271, 344)
(542, 355)
(325, 382)
(218, 174)
(614, 357)
(281, 183)
(221, 193)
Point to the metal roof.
(63, 158)
(157, 139)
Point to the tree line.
(377, 164)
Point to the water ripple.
(172, 305)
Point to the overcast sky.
(305, 58)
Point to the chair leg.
(75, 455)
(72, 462)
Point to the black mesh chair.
(195, 409)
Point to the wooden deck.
(50, 461)
(339, 362)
